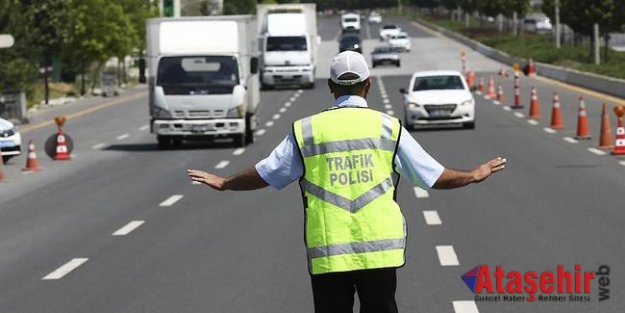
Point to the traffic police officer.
(348, 159)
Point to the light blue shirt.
(284, 165)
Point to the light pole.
(557, 15)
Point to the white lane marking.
(388, 106)
(122, 137)
(569, 139)
(276, 116)
(496, 102)
(519, 114)
(447, 256)
(269, 124)
(385, 101)
(288, 104)
(293, 99)
(171, 200)
(260, 132)
(596, 151)
(533, 122)
(222, 164)
(622, 163)
(300, 91)
(144, 127)
(195, 183)
(421, 193)
(238, 151)
(99, 146)
(282, 110)
(65, 269)
(466, 306)
(432, 218)
(549, 130)
(505, 108)
(128, 228)
(390, 112)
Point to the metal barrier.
(13, 105)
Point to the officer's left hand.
(212, 180)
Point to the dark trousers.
(334, 292)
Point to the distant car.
(438, 98)
(385, 55)
(375, 18)
(350, 22)
(389, 30)
(538, 24)
(350, 42)
(401, 41)
(10, 140)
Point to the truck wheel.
(239, 140)
(176, 142)
(249, 132)
(164, 143)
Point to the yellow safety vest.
(352, 219)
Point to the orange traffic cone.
(531, 68)
(491, 89)
(534, 105)
(619, 147)
(2, 177)
(62, 153)
(31, 162)
(605, 139)
(500, 97)
(583, 132)
(503, 73)
(480, 86)
(556, 114)
(471, 79)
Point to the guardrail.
(13, 105)
(604, 84)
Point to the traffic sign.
(6, 41)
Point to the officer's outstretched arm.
(451, 178)
(248, 179)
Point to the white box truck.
(289, 44)
(203, 78)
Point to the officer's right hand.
(211, 180)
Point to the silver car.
(385, 55)
(10, 140)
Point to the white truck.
(203, 81)
(350, 22)
(289, 44)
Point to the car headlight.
(468, 102)
(413, 105)
(236, 112)
(161, 113)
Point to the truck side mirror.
(403, 91)
(142, 78)
(254, 65)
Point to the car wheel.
(6, 158)
(373, 65)
(469, 125)
(398, 64)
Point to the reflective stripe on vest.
(338, 241)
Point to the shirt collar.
(350, 100)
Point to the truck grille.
(199, 114)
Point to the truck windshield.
(291, 43)
(198, 74)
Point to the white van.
(350, 22)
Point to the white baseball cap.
(349, 62)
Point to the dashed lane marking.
(596, 151)
(195, 183)
(447, 256)
(519, 114)
(390, 112)
(269, 124)
(282, 110)
(122, 137)
(222, 164)
(465, 306)
(276, 116)
(549, 130)
(128, 228)
(622, 163)
(421, 193)
(144, 127)
(238, 151)
(496, 102)
(569, 139)
(260, 132)
(533, 122)
(288, 104)
(432, 218)
(99, 146)
(65, 269)
(386, 101)
(171, 200)
(506, 108)
(293, 99)
(388, 106)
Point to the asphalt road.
(189, 249)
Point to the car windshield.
(350, 40)
(389, 27)
(383, 50)
(350, 20)
(212, 74)
(294, 43)
(443, 82)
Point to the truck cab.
(350, 22)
